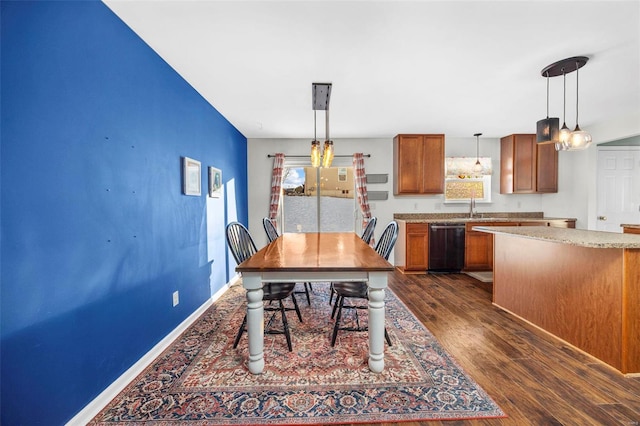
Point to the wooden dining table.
(315, 257)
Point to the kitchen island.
(580, 286)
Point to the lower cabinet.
(412, 248)
(478, 249)
(478, 246)
(417, 247)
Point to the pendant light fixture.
(321, 93)
(315, 145)
(547, 129)
(578, 139)
(477, 168)
(565, 132)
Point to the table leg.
(255, 321)
(377, 283)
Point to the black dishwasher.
(446, 247)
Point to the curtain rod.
(306, 156)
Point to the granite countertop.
(480, 217)
(575, 237)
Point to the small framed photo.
(215, 182)
(191, 176)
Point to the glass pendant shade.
(315, 153)
(579, 139)
(327, 157)
(565, 134)
(477, 168)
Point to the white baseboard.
(94, 407)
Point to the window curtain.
(276, 186)
(361, 189)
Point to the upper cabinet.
(418, 164)
(526, 167)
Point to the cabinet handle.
(602, 218)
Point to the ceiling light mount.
(565, 66)
(321, 95)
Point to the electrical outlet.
(176, 298)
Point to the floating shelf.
(378, 195)
(378, 178)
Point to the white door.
(618, 190)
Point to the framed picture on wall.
(191, 180)
(215, 182)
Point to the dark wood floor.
(536, 379)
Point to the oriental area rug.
(201, 380)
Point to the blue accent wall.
(96, 234)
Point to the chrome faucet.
(472, 208)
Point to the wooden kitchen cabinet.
(630, 230)
(478, 248)
(546, 168)
(417, 247)
(478, 251)
(526, 167)
(418, 164)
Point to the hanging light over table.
(315, 145)
(321, 93)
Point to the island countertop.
(575, 237)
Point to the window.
(301, 192)
(462, 183)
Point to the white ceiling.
(453, 67)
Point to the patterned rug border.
(329, 406)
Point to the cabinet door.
(547, 168)
(526, 167)
(478, 251)
(417, 249)
(408, 153)
(524, 163)
(433, 165)
(418, 166)
(478, 246)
